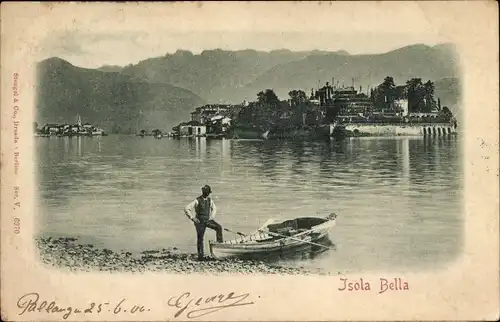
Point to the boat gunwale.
(253, 244)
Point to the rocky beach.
(67, 253)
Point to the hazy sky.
(97, 49)
(120, 36)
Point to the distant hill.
(341, 52)
(110, 68)
(214, 74)
(220, 76)
(450, 92)
(367, 70)
(111, 100)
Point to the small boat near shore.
(276, 237)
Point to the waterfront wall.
(303, 133)
(430, 129)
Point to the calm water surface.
(399, 200)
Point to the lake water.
(398, 200)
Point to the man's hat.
(206, 188)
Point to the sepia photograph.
(321, 161)
(241, 153)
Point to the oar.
(297, 239)
(244, 235)
(234, 232)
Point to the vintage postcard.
(268, 161)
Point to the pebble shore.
(66, 253)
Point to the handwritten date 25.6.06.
(31, 303)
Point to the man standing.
(205, 210)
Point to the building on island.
(349, 102)
(192, 128)
(208, 120)
(204, 113)
(77, 129)
(402, 105)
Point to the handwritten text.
(32, 303)
(196, 307)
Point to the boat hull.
(256, 244)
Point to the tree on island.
(156, 132)
(383, 95)
(416, 92)
(298, 97)
(388, 88)
(332, 111)
(446, 113)
(268, 97)
(420, 95)
(300, 107)
(430, 102)
(265, 113)
(265, 110)
(401, 92)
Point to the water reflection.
(386, 160)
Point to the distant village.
(77, 129)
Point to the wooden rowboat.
(276, 236)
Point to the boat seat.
(286, 225)
(287, 231)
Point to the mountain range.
(166, 89)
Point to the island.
(332, 110)
(68, 130)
